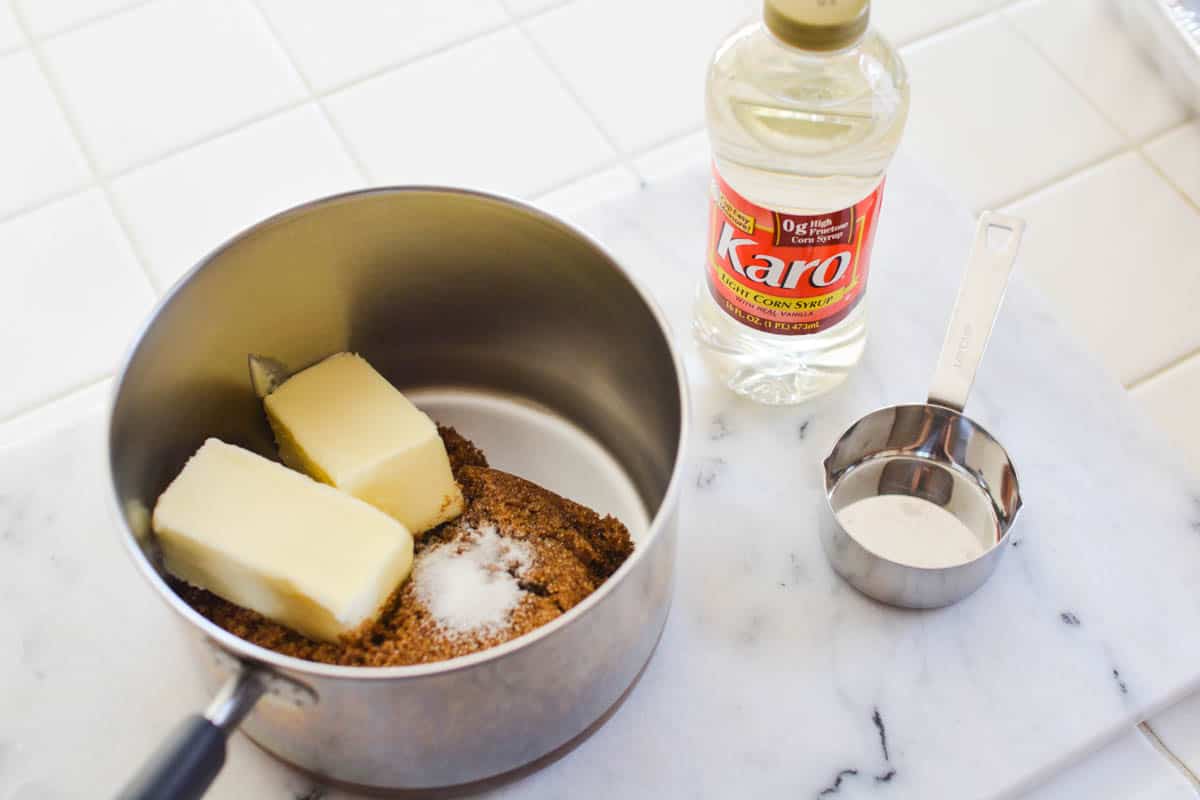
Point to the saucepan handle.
(187, 762)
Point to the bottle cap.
(817, 24)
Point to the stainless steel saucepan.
(499, 319)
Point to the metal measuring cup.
(934, 453)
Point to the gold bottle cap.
(817, 24)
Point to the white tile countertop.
(141, 134)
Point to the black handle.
(184, 765)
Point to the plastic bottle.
(805, 110)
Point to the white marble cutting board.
(773, 679)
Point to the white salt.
(471, 585)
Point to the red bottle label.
(786, 273)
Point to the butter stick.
(341, 422)
(272, 540)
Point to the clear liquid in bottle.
(805, 110)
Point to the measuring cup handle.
(991, 261)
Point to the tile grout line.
(379, 72)
(1162, 370)
(1019, 4)
(80, 24)
(1056, 180)
(1130, 141)
(546, 9)
(136, 4)
(49, 200)
(1166, 752)
(566, 183)
(66, 395)
(541, 54)
(98, 178)
(1152, 164)
(359, 165)
(668, 141)
(1154, 136)
(207, 138)
(946, 31)
(1192, 118)
(951, 27)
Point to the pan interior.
(435, 288)
(566, 460)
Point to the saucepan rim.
(260, 655)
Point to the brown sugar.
(461, 450)
(574, 551)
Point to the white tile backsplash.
(1178, 727)
(612, 54)
(72, 296)
(169, 73)
(336, 42)
(993, 119)
(1127, 769)
(39, 157)
(1177, 154)
(670, 158)
(55, 415)
(46, 17)
(1115, 250)
(902, 21)
(488, 114)
(585, 193)
(1084, 40)
(10, 30)
(182, 207)
(1172, 401)
(523, 8)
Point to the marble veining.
(718, 429)
(836, 786)
(773, 678)
(708, 471)
(887, 771)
